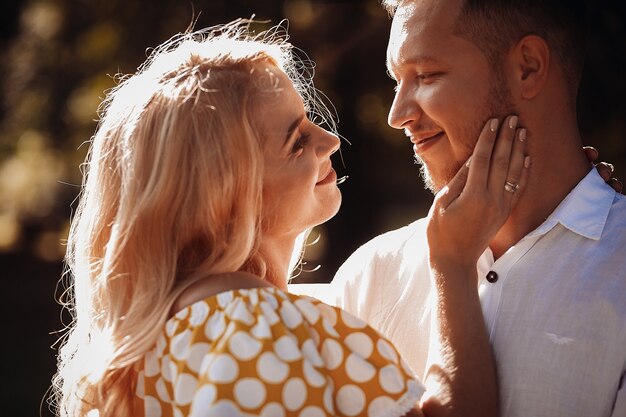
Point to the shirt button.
(492, 276)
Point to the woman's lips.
(331, 176)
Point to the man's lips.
(422, 142)
(419, 138)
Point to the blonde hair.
(172, 192)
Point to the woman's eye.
(300, 142)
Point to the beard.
(434, 186)
(499, 104)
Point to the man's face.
(446, 89)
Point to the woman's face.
(299, 185)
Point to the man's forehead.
(417, 19)
(413, 16)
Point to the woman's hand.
(465, 216)
(468, 212)
(605, 169)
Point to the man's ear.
(530, 58)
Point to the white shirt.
(556, 315)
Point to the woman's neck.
(277, 253)
(213, 284)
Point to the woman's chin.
(332, 208)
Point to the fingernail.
(467, 164)
(513, 122)
(611, 167)
(527, 161)
(522, 135)
(493, 125)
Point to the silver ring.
(510, 186)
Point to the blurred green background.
(57, 59)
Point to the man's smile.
(424, 141)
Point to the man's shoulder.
(363, 283)
(386, 249)
(394, 240)
(619, 206)
(616, 220)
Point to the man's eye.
(427, 76)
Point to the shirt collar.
(585, 209)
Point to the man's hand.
(605, 169)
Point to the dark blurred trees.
(59, 57)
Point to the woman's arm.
(461, 377)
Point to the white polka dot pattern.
(350, 400)
(250, 393)
(264, 352)
(358, 369)
(273, 410)
(294, 394)
(360, 343)
(271, 369)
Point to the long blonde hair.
(172, 192)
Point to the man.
(553, 283)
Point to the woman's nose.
(329, 143)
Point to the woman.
(203, 172)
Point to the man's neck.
(557, 165)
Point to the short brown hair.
(496, 25)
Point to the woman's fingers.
(522, 182)
(454, 188)
(497, 166)
(605, 170)
(591, 153)
(481, 158)
(616, 184)
(514, 179)
(502, 157)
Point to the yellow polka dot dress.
(265, 352)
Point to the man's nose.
(405, 109)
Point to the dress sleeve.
(266, 352)
(364, 372)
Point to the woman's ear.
(530, 59)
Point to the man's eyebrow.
(416, 60)
(292, 127)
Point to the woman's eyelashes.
(300, 143)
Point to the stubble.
(499, 104)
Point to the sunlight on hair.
(100, 346)
(93, 413)
(172, 192)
